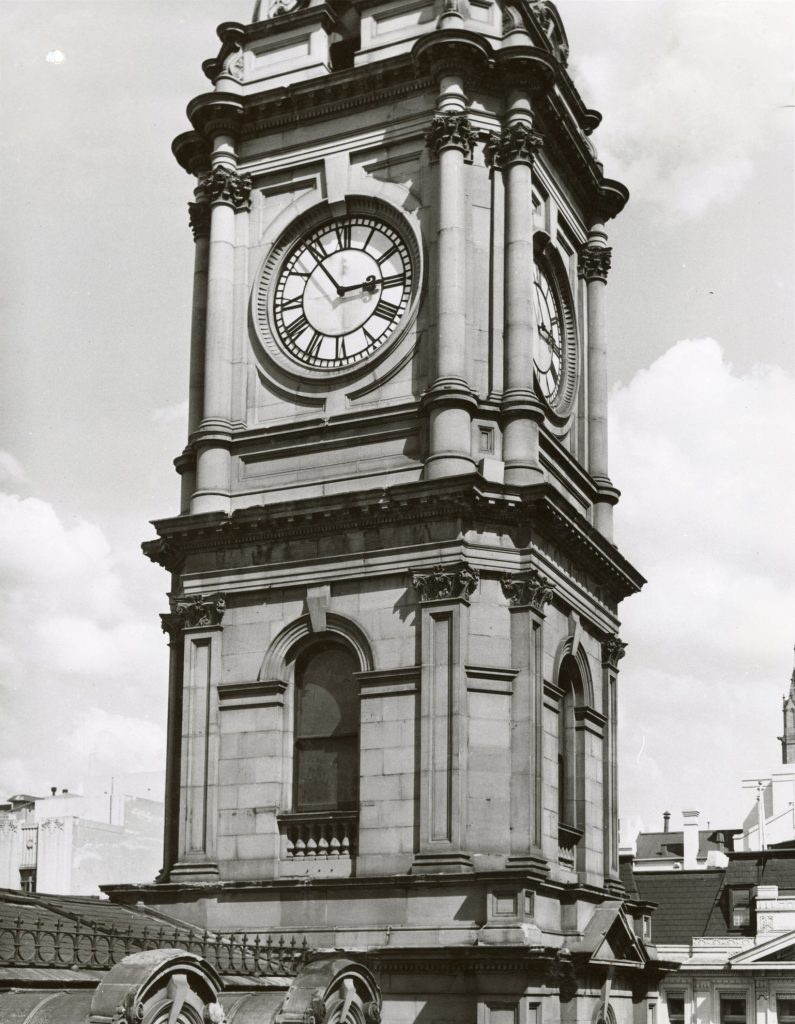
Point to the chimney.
(690, 839)
(53, 790)
(666, 820)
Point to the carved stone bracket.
(517, 144)
(594, 262)
(195, 611)
(446, 582)
(199, 214)
(223, 185)
(531, 589)
(613, 651)
(450, 131)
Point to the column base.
(447, 862)
(533, 862)
(448, 464)
(198, 871)
(523, 474)
(209, 501)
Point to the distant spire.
(788, 736)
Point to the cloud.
(702, 456)
(693, 90)
(11, 471)
(169, 414)
(83, 662)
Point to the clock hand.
(369, 285)
(338, 288)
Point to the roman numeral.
(387, 310)
(343, 233)
(297, 327)
(315, 341)
(340, 352)
(385, 256)
(395, 279)
(316, 250)
(293, 303)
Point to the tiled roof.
(686, 901)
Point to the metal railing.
(26, 943)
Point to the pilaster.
(200, 618)
(527, 594)
(444, 604)
(612, 651)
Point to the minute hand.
(338, 288)
(369, 285)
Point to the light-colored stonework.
(426, 507)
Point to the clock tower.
(394, 591)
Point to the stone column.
(594, 263)
(444, 604)
(612, 652)
(449, 399)
(200, 225)
(227, 191)
(172, 625)
(196, 842)
(527, 594)
(514, 152)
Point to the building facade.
(394, 590)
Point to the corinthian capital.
(450, 131)
(594, 262)
(613, 651)
(223, 185)
(518, 144)
(199, 214)
(530, 588)
(452, 581)
(195, 611)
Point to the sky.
(95, 274)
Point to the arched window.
(326, 762)
(570, 683)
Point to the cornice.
(465, 499)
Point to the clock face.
(550, 354)
(342, 291)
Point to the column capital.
(450, 131)
(199, 216)
(530, 589)
(517, 144)
(194, 612)
(593, 262)
(224, 185)
(613, 650)
(449, 582)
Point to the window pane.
(732, 1010)
(327, 774)
(786, 1011)
(676, 1009)
(328, 698)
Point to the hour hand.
(368, 285)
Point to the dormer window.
(739, 908)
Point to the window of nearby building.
(646, 935)
(27, 879)
(785, 1006)
(740, 908)
(732, 1010)
(326, 764)
(675, 1003)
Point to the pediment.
(774, 952)
(610, 938)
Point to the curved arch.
(287, 644)
(584, 694)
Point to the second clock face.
(549, 355)
(341, 291)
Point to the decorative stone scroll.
(450, 131)
(458, 581)
(613, 651)
(199, 214)
(531, 589)
(223, 185)
(594, 262)
(518, 144)
(193, 612)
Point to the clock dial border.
(294, 355)
(548, 262)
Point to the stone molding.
(516, 144)
(199, 216)
(450, 131)
(593, 262)
(194, 613)
(613, 650)
(446, 583)
(256, 694)
(223, 185)
(531, 589)
(52, 823)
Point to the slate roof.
(685, 900)
(671, 844)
